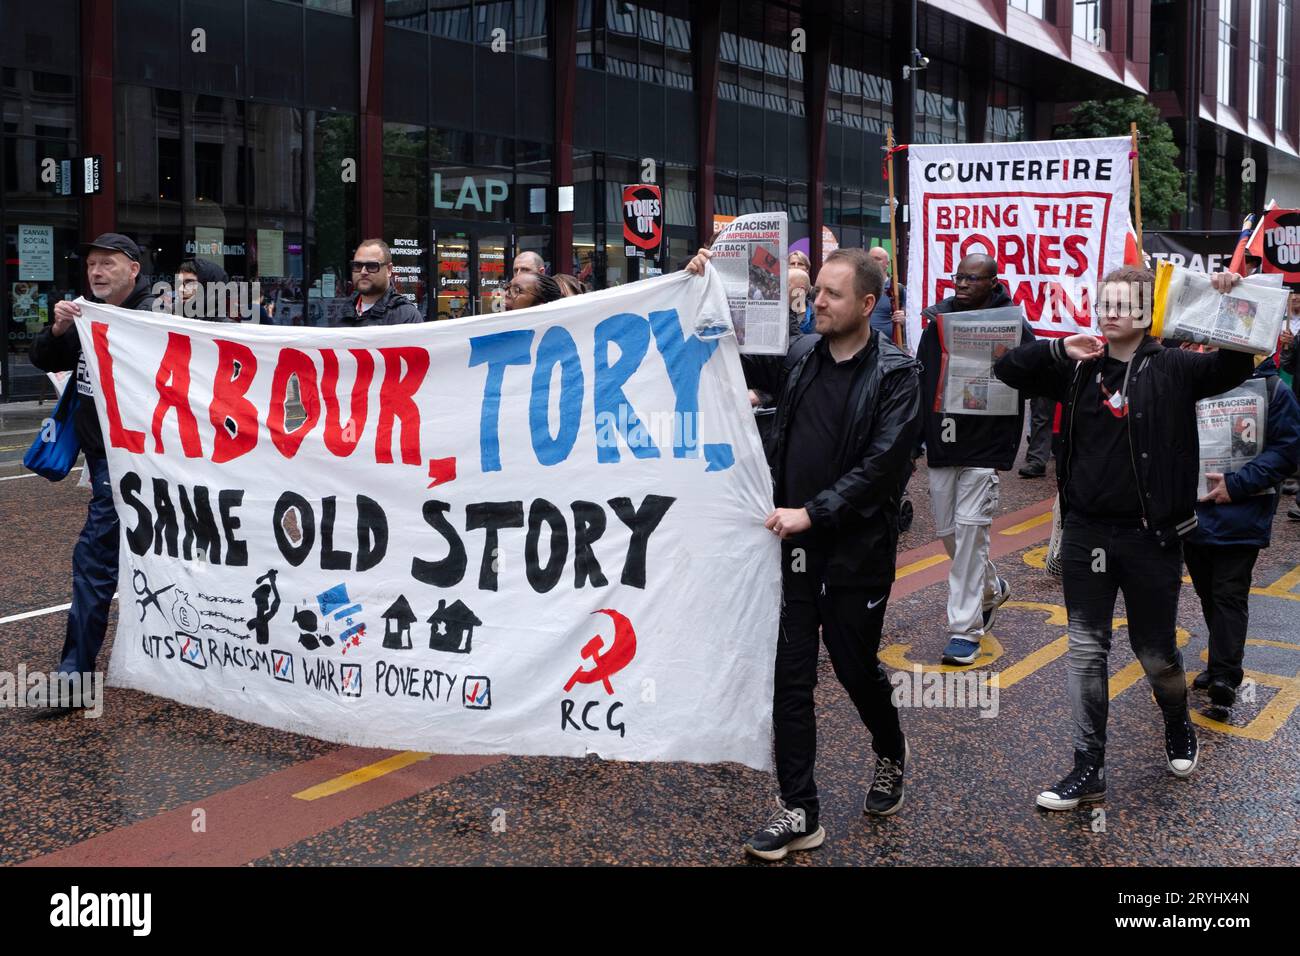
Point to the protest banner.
(1053, 214)
(970, 343)
(1277, 243)
(535, 532)
(1232, 429)
(1196, 251)
(643, 220)
(751, 255)
(1189, 309)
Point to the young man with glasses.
(377, 302)
(965, 454)
(527, 289)
(1127, 468)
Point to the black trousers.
(850, 620)
(1221, 574)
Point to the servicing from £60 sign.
(536, 532)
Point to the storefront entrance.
(471, 263)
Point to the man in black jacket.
(377, 302)
(113, 274)
(1127, 469)
(965, 452)
(846, 421)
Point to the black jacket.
(1164, 386)
(62, 353)
(391, 309)
(982, 441)
(858, 514)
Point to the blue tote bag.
(55, 449)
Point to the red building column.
(817, 77)
(98, 138)
(564, 61)
(370, 172)
(706, 27)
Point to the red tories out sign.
(643, 219)
(1277, 243)
(1053, 214)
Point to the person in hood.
(1127, 468)
(1234, 520)
(195, 281)
(965, 454)
(113, 275)
(377, 302)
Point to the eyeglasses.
(513, 290)
(960, 278)
(358, 266)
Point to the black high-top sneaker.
(886, 793)
(1180, 746)
(1086, 783)
(787, 831)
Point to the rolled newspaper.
(1189, 309)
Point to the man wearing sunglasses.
(377, 302)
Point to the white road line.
(34, 475)
(45, 610)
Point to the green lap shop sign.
(472, 193)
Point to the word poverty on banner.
(643, 219)
(538, 533)
(1052, 214)
(751, 255)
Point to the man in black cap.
(113, 274)
(377, 302)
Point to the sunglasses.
(358, 266)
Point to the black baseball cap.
(115, 242)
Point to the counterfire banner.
(1054, 215)
(537, 532)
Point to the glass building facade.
(271, 136)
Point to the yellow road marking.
(1026, 525)
(1270, 718)
(362, 775)
(895, 656)
(921, 565)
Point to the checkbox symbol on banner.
(192, 651)
(350, 680)
(282, 666)
(478, 693)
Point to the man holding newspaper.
(1128, 467)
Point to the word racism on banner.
(643, 219)
(1053, 214)
(460, 537)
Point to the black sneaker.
(1293, 512)
(1180, 747)
(1202, 680)
(1033, 469)
(886, 793)
(784, 833)
(1222, 693)
(1086, 783)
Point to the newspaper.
(1247, 319)
(1232, 430)
(971, 342)
(750, 255)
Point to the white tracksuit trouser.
(963, 501)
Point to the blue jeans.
(1097, 562)
(94, 575)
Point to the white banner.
(1054, 214)
(535, 532)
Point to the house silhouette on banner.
(452, 628)
(397, 625)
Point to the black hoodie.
(981, 441)
(62, 353)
